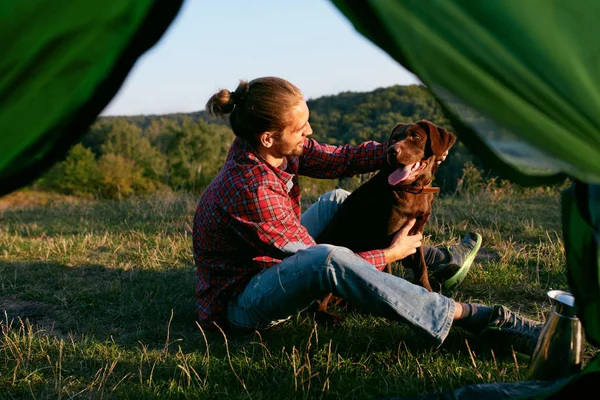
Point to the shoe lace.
(461, 251)
(522, 333)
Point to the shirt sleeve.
(374, 257)
(330, 162)
(265, 219)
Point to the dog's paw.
(328, 319)
(436, 286)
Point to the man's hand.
(403, 244)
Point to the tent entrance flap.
(62, 72)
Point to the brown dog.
(370, 217)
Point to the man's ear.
(441, 140)
(266, 139)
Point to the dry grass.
(97, 302)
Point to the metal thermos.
(559, 349)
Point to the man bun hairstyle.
(261, 105)
(221, 103)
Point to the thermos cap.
(564, 302)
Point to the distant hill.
(186, 150)
(347, 117)
(143, 121)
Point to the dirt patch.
(14, 312)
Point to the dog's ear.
(441, 140)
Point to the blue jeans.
(275, 294)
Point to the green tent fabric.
(60, 66)
(581, 234)
(529, 66)
(531, 69)
(581, 231)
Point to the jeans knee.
(328, 255)
(321, 253)
(336, 195)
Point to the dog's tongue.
(401, 173)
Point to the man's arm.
(329, 162)
(266, 221)
(375, 257)
(264, 218)
(402, 246)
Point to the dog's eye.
(414, 135)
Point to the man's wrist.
(390, 256)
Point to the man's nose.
(309, 131)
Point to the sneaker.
(461, 259)
(507, 327)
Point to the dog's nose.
(392, 151)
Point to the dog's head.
(413, 150)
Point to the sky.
(213, 44)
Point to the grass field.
(97, 302)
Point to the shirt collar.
(243, 151)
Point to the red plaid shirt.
(248, 218)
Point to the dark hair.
(258, 106)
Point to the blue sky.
(214, 44)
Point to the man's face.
(292, 137)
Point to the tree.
(196, 152)
(125, 139)
(121, 177)
(77, 175)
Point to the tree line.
(136, 155)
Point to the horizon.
(308, 100)
(324, 56)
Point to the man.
(257, 264)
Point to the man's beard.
(297, 151)
(287, 150)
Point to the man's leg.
(316, 218)
(283, 290)
(294, 284)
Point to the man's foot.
(461, 259)
(508, 328)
